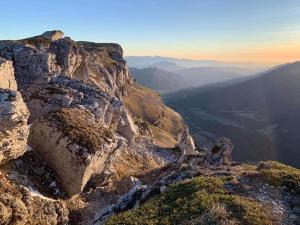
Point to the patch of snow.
(35, 192)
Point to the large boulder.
(74, 144)
(186, 143)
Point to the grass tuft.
(202, 200)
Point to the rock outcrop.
(63, 92)
(186, 143)
(7, 77)
(77, 146)
(92, 128)
(13, 116)
(50, 54)
(220, 154)
(53, 35)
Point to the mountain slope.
(158, 79)
(148, 61)
(163, 80)
(261, 115)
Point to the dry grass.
(147, 105)
(108, 53)
(281, 175)
(202, 200)
(79, 125)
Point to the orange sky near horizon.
(262, 55)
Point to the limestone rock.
(49, 54)
(53, 35)
(13, 125)
(74, 145)
(126, 126)
(186, 143)
(7, 78)
(68, 56)
(220, 154)
(29, 62)
(61, 91)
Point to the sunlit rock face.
(88, 118)
(74, 144)
(51, 53)
(53, 35)
(7, 77)
(186, 143)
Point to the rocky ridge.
(82, 131)
(82, 143)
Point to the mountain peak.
(53, 35)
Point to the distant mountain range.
(170, 74)
(154, 61)
(158, 79)
(164, 81)
(148, 61)
(261, 115)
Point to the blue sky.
(228, 30)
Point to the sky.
(261, 32)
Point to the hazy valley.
(260, 114)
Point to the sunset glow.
(258, 32)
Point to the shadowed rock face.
(13, 115)
(13, 125)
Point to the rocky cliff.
(83, 111)
(80, 141)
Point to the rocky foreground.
(82, 143)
